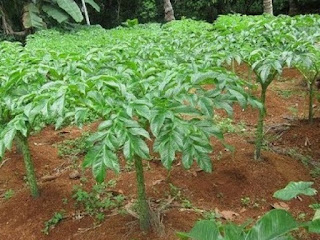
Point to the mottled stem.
(22, 141)
(143, 207)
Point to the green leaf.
(143, 111)
(55, 13)
(127, 150)
(316, 215)
(139, 132)
(110, 159)
(104, 125)
(58, 105)
(314, 226)
(99, 168)
(293, 189)
(157, 122)
(90, 157)
(71, 8)
(31, 17)
(232, 232)
(206, 106)
(20, 126)
(203, 230)
(240, 98)
(2, 149)
(93, 4)
(8, 138)
(140, 148)
(272, 226)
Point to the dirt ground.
(238, 184)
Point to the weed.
(52, 222)
(315, 172)
(185, 203)
(294, 153)
(98, 200)
(8, 194)
(73, 147)
(175, 191)
(129, 167)
(220, 195)
(302, 216)
(245, 201)
(294, 111)
(209, 215)
(65, 201)
(285, 93)
(226, 125)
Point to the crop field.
(184, 130)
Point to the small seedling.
(209, 215)
(65, 201)
(51, 223)
(8, 194)
(245, 201)
(185, 203)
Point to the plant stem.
(310, 102)
(22, 141)
(143, 207)
(259, 135)
(18, 146)
(250, 74)
(233, 65)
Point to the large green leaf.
(99, 167)
(110, 159)
(314, 226)
(272, 226)
(71, 8)
(55, 13)
(8, 137)
(232, 232)
(203, 230)
(293, 189)
(93, 4)
(31, 18)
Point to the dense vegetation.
(148, 85)
(19, 17)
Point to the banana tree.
(168, 11)
(268, 7)
(34, 10)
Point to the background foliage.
(114, 12)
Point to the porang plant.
(309, 66)
(265, 44)
(165, 110)
(23, 108)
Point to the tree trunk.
(6, 26)
(267, 7)
(293, 9)
(168, 11)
